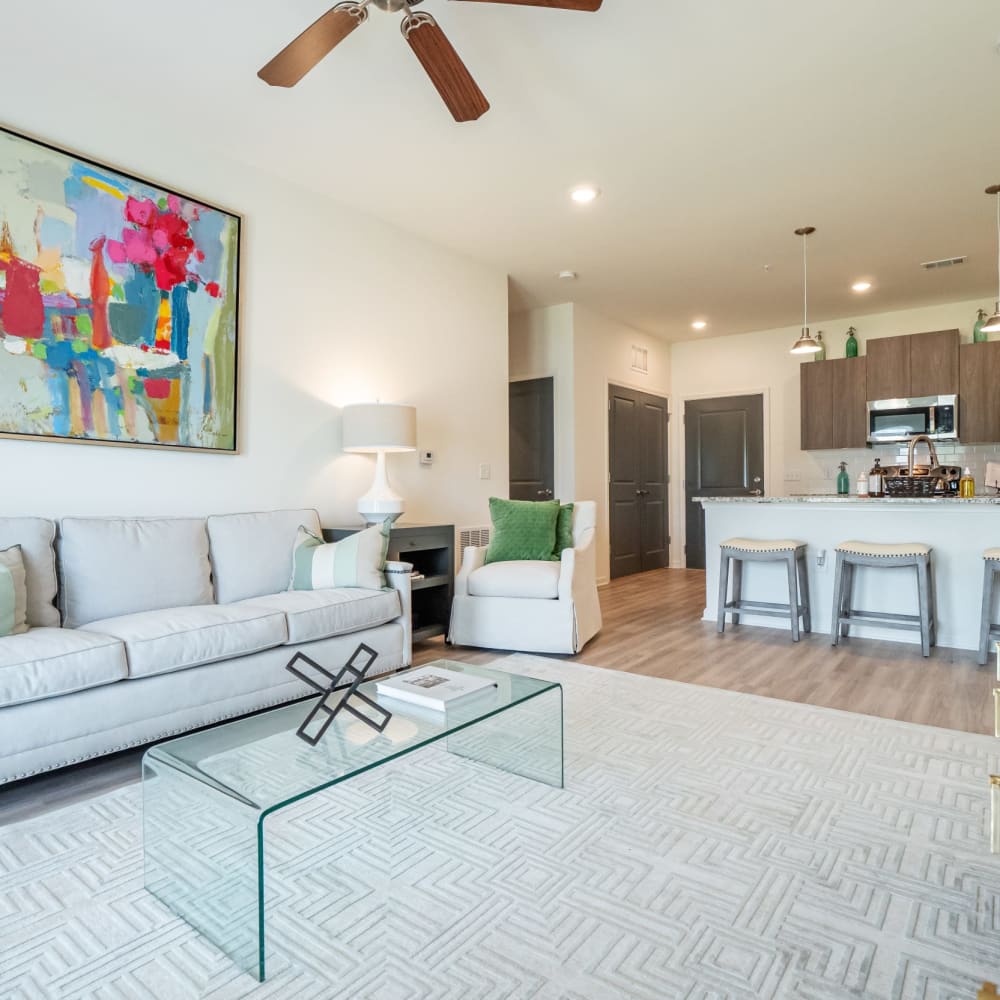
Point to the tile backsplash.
(818, 469)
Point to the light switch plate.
(484, 470)
(427, 458)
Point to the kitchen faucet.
(913, 444)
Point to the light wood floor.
(652, 626)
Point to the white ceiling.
(714, 128)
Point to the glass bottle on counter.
(820, 355)
(852, 343)
(876, 480)
(862, 490)
(967, 485)
(843, 481)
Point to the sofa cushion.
(319, 614)
(119, 566)
(518, 578)
(159, 642)
(252, 553)
(355, 561)
(45, 662)
(36, 536)
(13, 593)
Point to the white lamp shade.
(372, 427)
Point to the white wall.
(760, 362)
(336, 308)
(586, 352)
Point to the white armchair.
(532, 607)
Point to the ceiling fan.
(440, 60)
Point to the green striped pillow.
(355, 561)
(13, 592)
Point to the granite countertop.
(993, 500)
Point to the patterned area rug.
(707, 845)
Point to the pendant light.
(805, 344)
(992, 325)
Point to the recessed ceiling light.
(568, 275)
(698, 324)
(861, 286)
(585, 194)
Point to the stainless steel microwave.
(892, 420)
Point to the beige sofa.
(143, 628)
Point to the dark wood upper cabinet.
(833, 404)
(888, 368)
(850, 413)
(924, 364)
(978, 399)
(933, 364)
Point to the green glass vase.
(978, 337)
(852, 343)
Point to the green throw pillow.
(13, 592)
(522, 529)
(564, 530)
(355, 561)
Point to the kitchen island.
(957, 530)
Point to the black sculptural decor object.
(335, 696)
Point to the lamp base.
(381, 501)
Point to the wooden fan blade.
(584, 5)
(445, 68)
(316, 42)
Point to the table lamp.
(378, 428)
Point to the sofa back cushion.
(120, 566)
(36, 536)
(252, 553)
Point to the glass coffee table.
(207, 796)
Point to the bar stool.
(987, 629)
(792, 553)
(850, 555)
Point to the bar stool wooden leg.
(932, 594)
(923, 600)
(723, 591)
(737, 588)
(838, 601)
(803, 568)
(986, 615)
(793, 595)
(849, 568)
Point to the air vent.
(934, 265)
(640, 360)
(476, 537)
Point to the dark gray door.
(637, 446)
(724, 457)
(532, 443)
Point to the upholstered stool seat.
(885, 551)
(882, 555)
(785, 550)
(987, 628)
(762, 544)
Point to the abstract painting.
(118, 306)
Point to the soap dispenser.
(843, 481)
(967, 485)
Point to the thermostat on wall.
(427, 458)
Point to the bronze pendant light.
(992, 325)
(806, 344)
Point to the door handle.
(543, 493)
(642, 493)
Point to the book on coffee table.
(433, 687)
